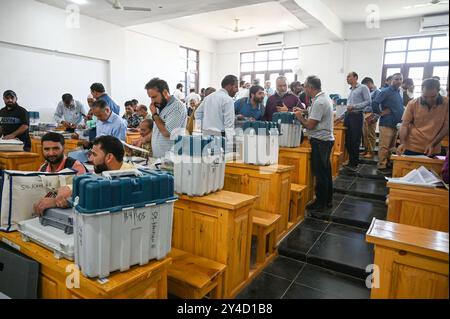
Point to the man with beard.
(14, 121)
(281, 101)
(56, 161)
(251, 107)
(169, 116)
(107, 155)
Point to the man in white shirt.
(69, 112)
(178, 93)
(216, 113)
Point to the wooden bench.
(297, 203)
(193, 277)
(411, 262)
(264, 228)
(270, 183)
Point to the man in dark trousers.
(14, 121)
(319, 126)
(358, 99)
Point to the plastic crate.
(261, 143)
(199, 165)
(123, 218)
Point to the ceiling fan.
(117, 5)
(236, 28)
(428, 4)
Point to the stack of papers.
(419, 177)
(11, 145)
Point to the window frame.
(404, 67)
(186, 81)
(267, 72)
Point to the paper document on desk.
(419, 177)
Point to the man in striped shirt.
(169, 115)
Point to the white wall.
(318, 56)
(134, 54)
(158, 44)
(57, 73)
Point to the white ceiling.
(170, 9)
(263, 18)
(355, 10)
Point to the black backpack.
(69, 164)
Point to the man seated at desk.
(14, 121)
(56, 161)
(108, 123)
(425, 122)
(131, 118)
(107, 155)
(250, 107)
(69, 112)
(145, 142)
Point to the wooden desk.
(404, 164)
(217, 226)
(300, 159)
(413, 261)
(19, 161)
(418, 206)
(272, 185)
(444, 142)
(71, 145)
(133, 136)
(36, 147)
(339, 138)
(140, 282)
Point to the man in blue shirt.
(389, 105)
(99, 93)
(108, 123)
(370, 121)
(251, 107)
